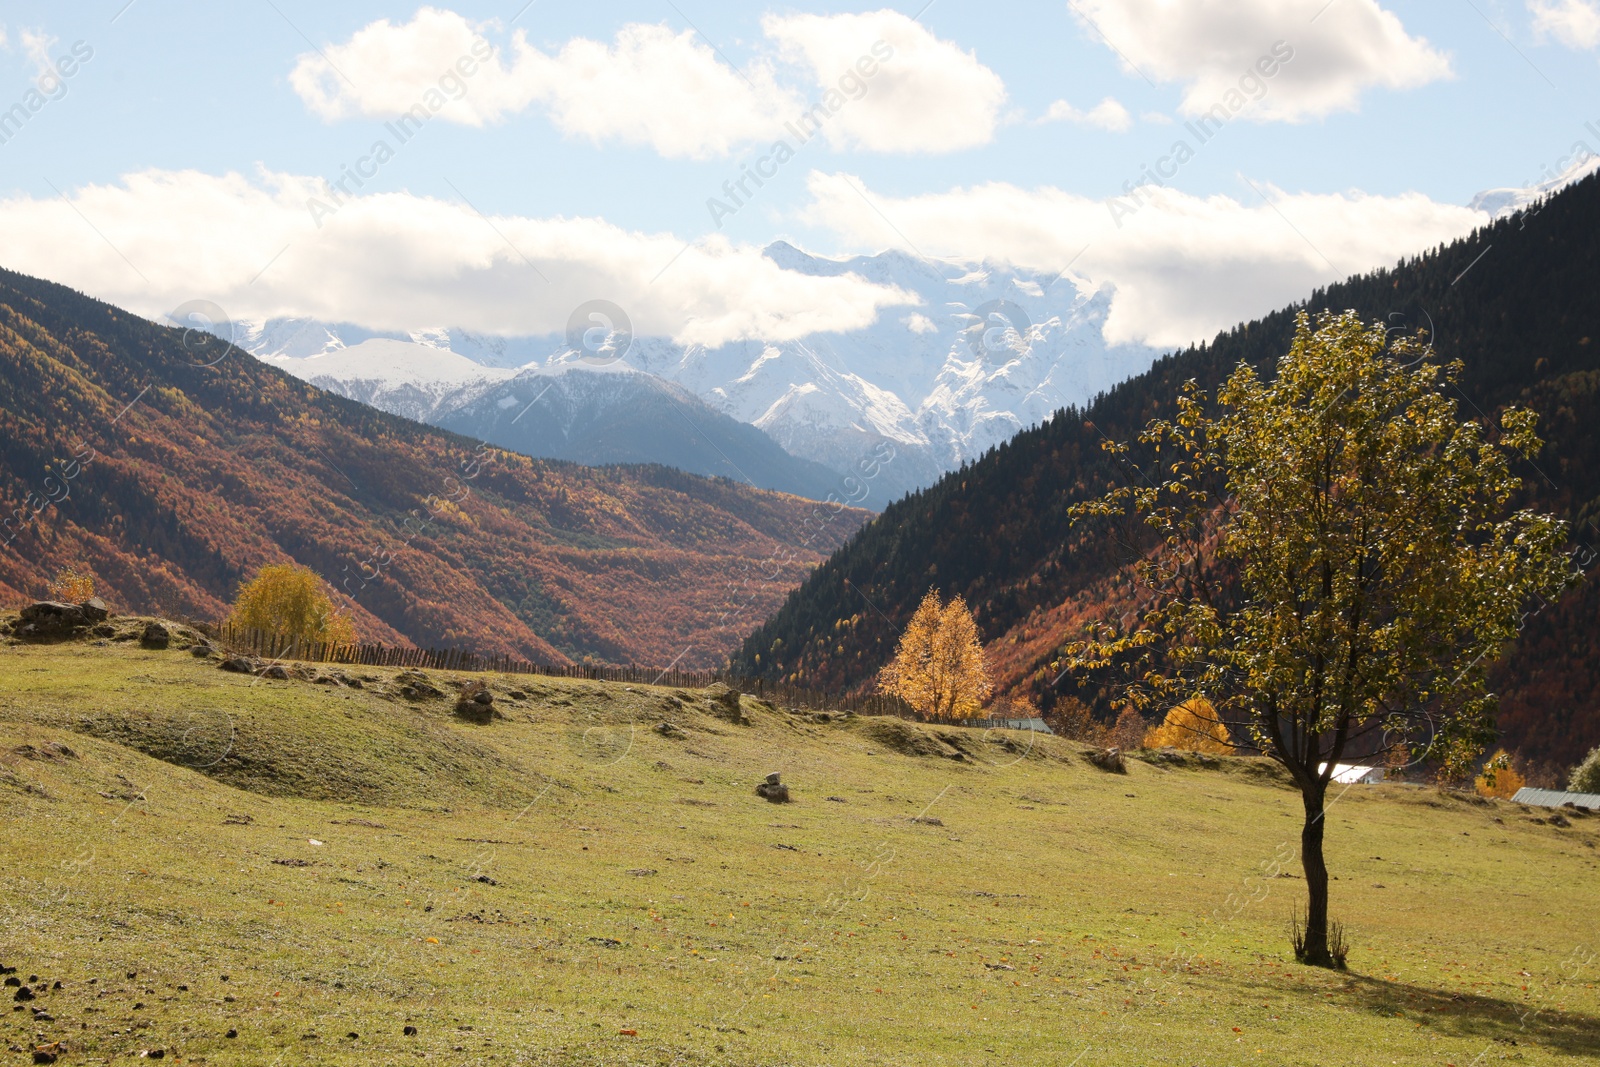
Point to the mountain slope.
(613, 414)
(1515, 302)
(171, 473)
(400, 377)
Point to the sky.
(253, 154)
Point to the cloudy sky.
(255, 154)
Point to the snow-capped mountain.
(616, 414)
(400, 377)
(986, 351)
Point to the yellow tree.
(287, 601)
(1499, 778)
(1192, 726)
(938, 667)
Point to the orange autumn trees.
(938, 666)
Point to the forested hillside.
(1515, 302)
(169, 467)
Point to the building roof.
(1555, 798)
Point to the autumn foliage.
(1192, 726)
(288, 602)
(938, 666)
(70, 586)
(1499, 778)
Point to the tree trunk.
(1315, 948)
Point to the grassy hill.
(170, 468)
(315, 863)
(1514, 302)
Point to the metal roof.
(1554, 798)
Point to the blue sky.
(1389, 98)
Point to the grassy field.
(313, 868)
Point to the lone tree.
(1333, 567)
(938, 667)
(287, 602)
(1194, 727)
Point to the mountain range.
(1514, 301)
(169, 467)
(992, 350)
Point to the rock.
(669, 729)
(476, 704)
(236, 664)
(13, 982)
(94, 609)
(22, 994)
(414, 685)
(837, 800)
(410, 1031)
(50, 618)
(41, 1056)
(773, 790)
(485, 879)
(1109, 759)
(725, 704)
(276, 670)
(155, 635)
(105, 629)
(927, 820)
(231, 1034)
(201, 650)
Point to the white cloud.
(651, 86)
(930, 97)
(1213, 46)
(666, 89)
(37, 44)
(1183, 267)
(1106, 115)
(1575, 23)
(396, 261)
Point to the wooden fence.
(270, 646)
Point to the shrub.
(1192, 726)
(1128, 733)
(1072, 719)
(287, 602)
(1586, 775)
(1499, 778)
(71, 586)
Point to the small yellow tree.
(938, 667)
(1192, 726)
(1499, 778)
(287, 602)
(71, 586)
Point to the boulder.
(669, 729)
(1109, 759)
(414, 685)
(201, 650)
(94, 609)
(276, 670)
(476, 703)
(50, 618)
(237, 664)
(155, 635)
(725, 704)
(773, 790)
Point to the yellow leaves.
(1192, 726)
(287, 600)
(938, 667)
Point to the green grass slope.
(315, 867)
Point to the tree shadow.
(1470, 1016)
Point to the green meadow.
(232, 869)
